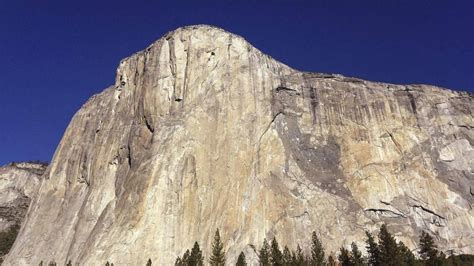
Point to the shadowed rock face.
(202, 131)
(19, 183)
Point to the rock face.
(203, 131)
(19, 183)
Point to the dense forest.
(384, 250)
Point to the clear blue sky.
(56, 54)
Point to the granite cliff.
(202, 131)
(19, 183)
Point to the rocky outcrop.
(203, 131)
(19, 183)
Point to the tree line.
(383, 251)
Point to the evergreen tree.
(388, 248)
(264, 254)
(294, 260)
(196, 258)
(372, 250)
(300, 259)
(408, 257)
(69, 263)
(344, 257)
(178, 262)
(186, 258)
(287, 259)
(217, 255)
(428, 249)
(317, 251)
(52, 263)
(148, 263)
(106, 264)
(356, 255)
(276, 257)
(241, 260)
(331, 261)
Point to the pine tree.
(300, 258)
(317, 251)
(344, 257)
(294, 261)
(428, 249)
(356, 255)
(178, 262)
(372, 250)
(276, 257)
(388, 248)
(287, 259)
(331, 261)
(408, 257)
(52, 263)
(69, 263)
(264, 254)
(186, 258)
(241, 260)
(196, 258)
(217, 256)
(148, 263)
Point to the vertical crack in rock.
(314, 103)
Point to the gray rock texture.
(202, 131)
(19, 183)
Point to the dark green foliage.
(185, 261)
(241, 260)
(264, 254)
(356, 255)
(217, 254)
(372, 250)
(41, 263)
(428, 249)
(344, 257)
(196, 258)
(186, 257)
(317, 251)
(148, 263)
(287, 258)
(276, 257)
(300, 258)
(331, 261)
(406, 254)
(69, 263)
(109, 264)
(52, 263)
(460, 260)
(388, 248)
(7, 238)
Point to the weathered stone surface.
(19, 183)
(201, 130)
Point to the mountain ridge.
(200, 114)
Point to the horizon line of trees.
(385, 251)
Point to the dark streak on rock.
(314, 103)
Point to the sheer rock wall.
(203, 131)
